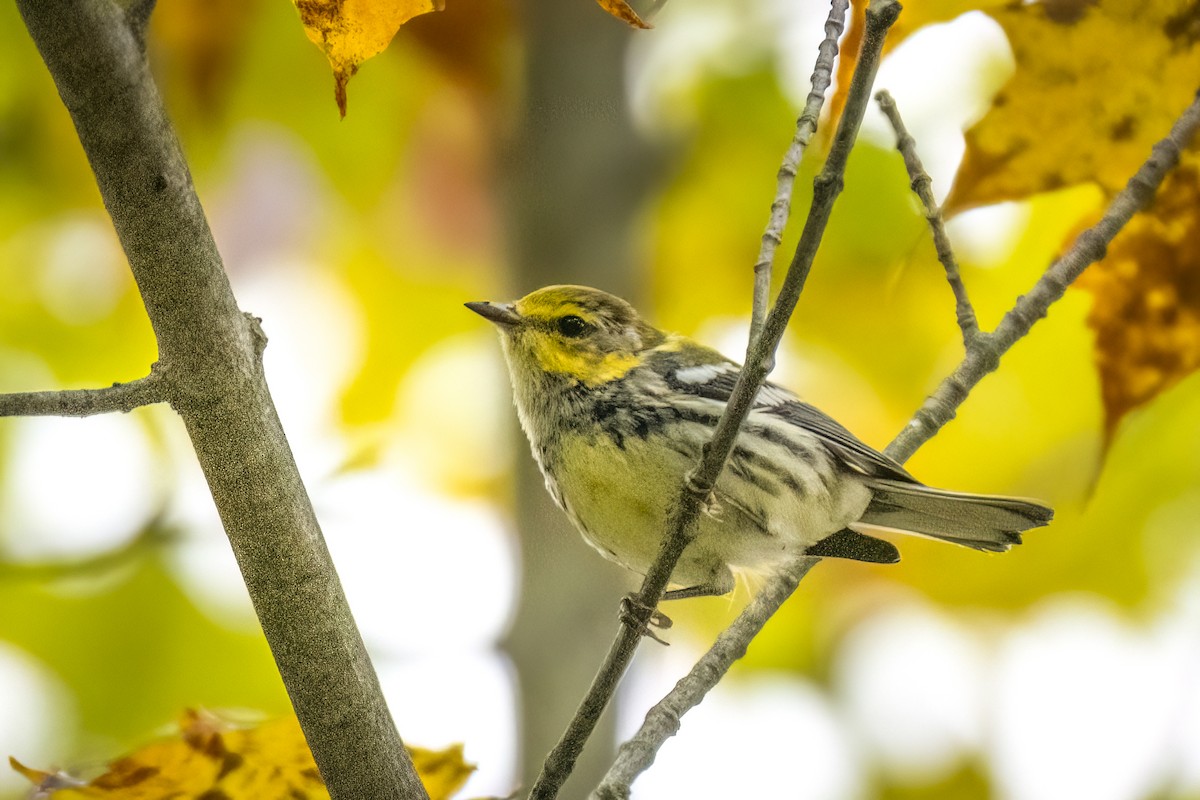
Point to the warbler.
(617, 412)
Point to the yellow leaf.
(1146, 307)
(351, 31)
(442, 771)
(1073, 114)
(622, 11)
(211, 758)
(1096, 84)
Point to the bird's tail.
(984, 522)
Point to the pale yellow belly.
(619, 498)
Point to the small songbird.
(617, 412)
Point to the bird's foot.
(642, 618)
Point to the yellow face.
(590, 336)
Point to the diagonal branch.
(662, 722)
(983, 356)
(699, 483)
(923, 187)
(806, 126)
(123, 397)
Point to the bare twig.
(923, 187)
(699, 482)
(662, 721)
(122, 397)
(806, 126)
(211, 354)
(983, 356)
(636, 755)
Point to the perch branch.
(806, 126)
(663, 720)
(922, 185)
(636, 755)
(121, 397)
(211, 354)
(699, 482)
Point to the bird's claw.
(641, 618)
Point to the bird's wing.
(704, 373)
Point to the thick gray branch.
(209, 354)
(806, 126)
(699, 483)
(122, 397)
(922, 185)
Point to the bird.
(617, 412)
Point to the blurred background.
(500, 146)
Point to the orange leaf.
(351, 31)
(1146, 307)
(622, 11)
(211, 758)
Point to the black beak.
(502, 315)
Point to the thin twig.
(983, 356)
(922, 185)
(699, 483)
(662, 722)
(636, 755)
(121, 397)
(806, 126)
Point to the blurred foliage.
(132, 645)
(396, 207)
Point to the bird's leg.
(641, 617)
(707, 590)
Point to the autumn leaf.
(1072, 114)
(443, 772)
(211, 758)
(351, 31)
(1146, 307)
(622, 11)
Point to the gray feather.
(984, 522)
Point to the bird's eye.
(573, 326)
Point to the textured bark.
(210, 364)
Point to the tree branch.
(209, 354)
(123, 397)
(785, 180)
(662, 722)
(922, 185)
(983, 355)
(699, 483)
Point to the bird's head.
(583, 335)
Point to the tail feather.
(983, 522)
